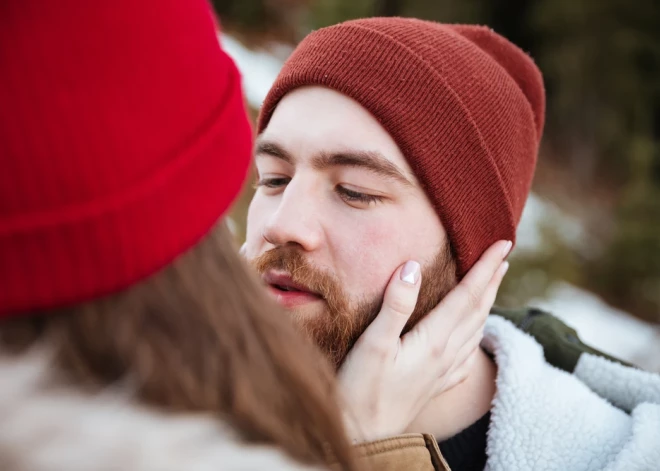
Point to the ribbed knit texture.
(123, 139)
(465, 106)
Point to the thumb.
(398, 303)
(242, 250)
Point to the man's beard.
(337, 330)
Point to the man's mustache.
(291, 261)
(336, 331)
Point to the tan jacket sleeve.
(410, 452)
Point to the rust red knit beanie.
(465, 106)
(123, 139)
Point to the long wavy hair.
(202, 335)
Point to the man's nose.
(295, 221)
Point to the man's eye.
(357, 197)
(273, 182)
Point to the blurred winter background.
(589, 242)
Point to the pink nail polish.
(410, 272)
(507, 248)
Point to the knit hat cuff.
(97, 247)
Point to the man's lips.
(287, 292)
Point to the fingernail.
(410, 272)
(507, 248)
(504, 268)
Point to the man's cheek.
(384, 250)
(250, 248)
(372, 270)
(256, 219)
(376, 238)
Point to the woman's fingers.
(388, 380)
(463, 363)
(398, 304)
(372, 379)
(482, 271)
(457, 352)
(475, 319)
(468, 294)
(456, 376)
(469, 347)
(472, 294)
(494, 285)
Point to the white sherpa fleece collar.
(546, 419)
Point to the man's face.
(336, 211)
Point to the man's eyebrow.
(272, 149)
(369, 160)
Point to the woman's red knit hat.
(465, 106)
(123, 139)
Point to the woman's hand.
(387, 379)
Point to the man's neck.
(453, 411)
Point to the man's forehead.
(313, 121)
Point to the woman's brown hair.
(201, 335)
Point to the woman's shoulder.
(46, 426)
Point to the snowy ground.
(598, 324)
(259, 69)
(603, 327)
(539, 212)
